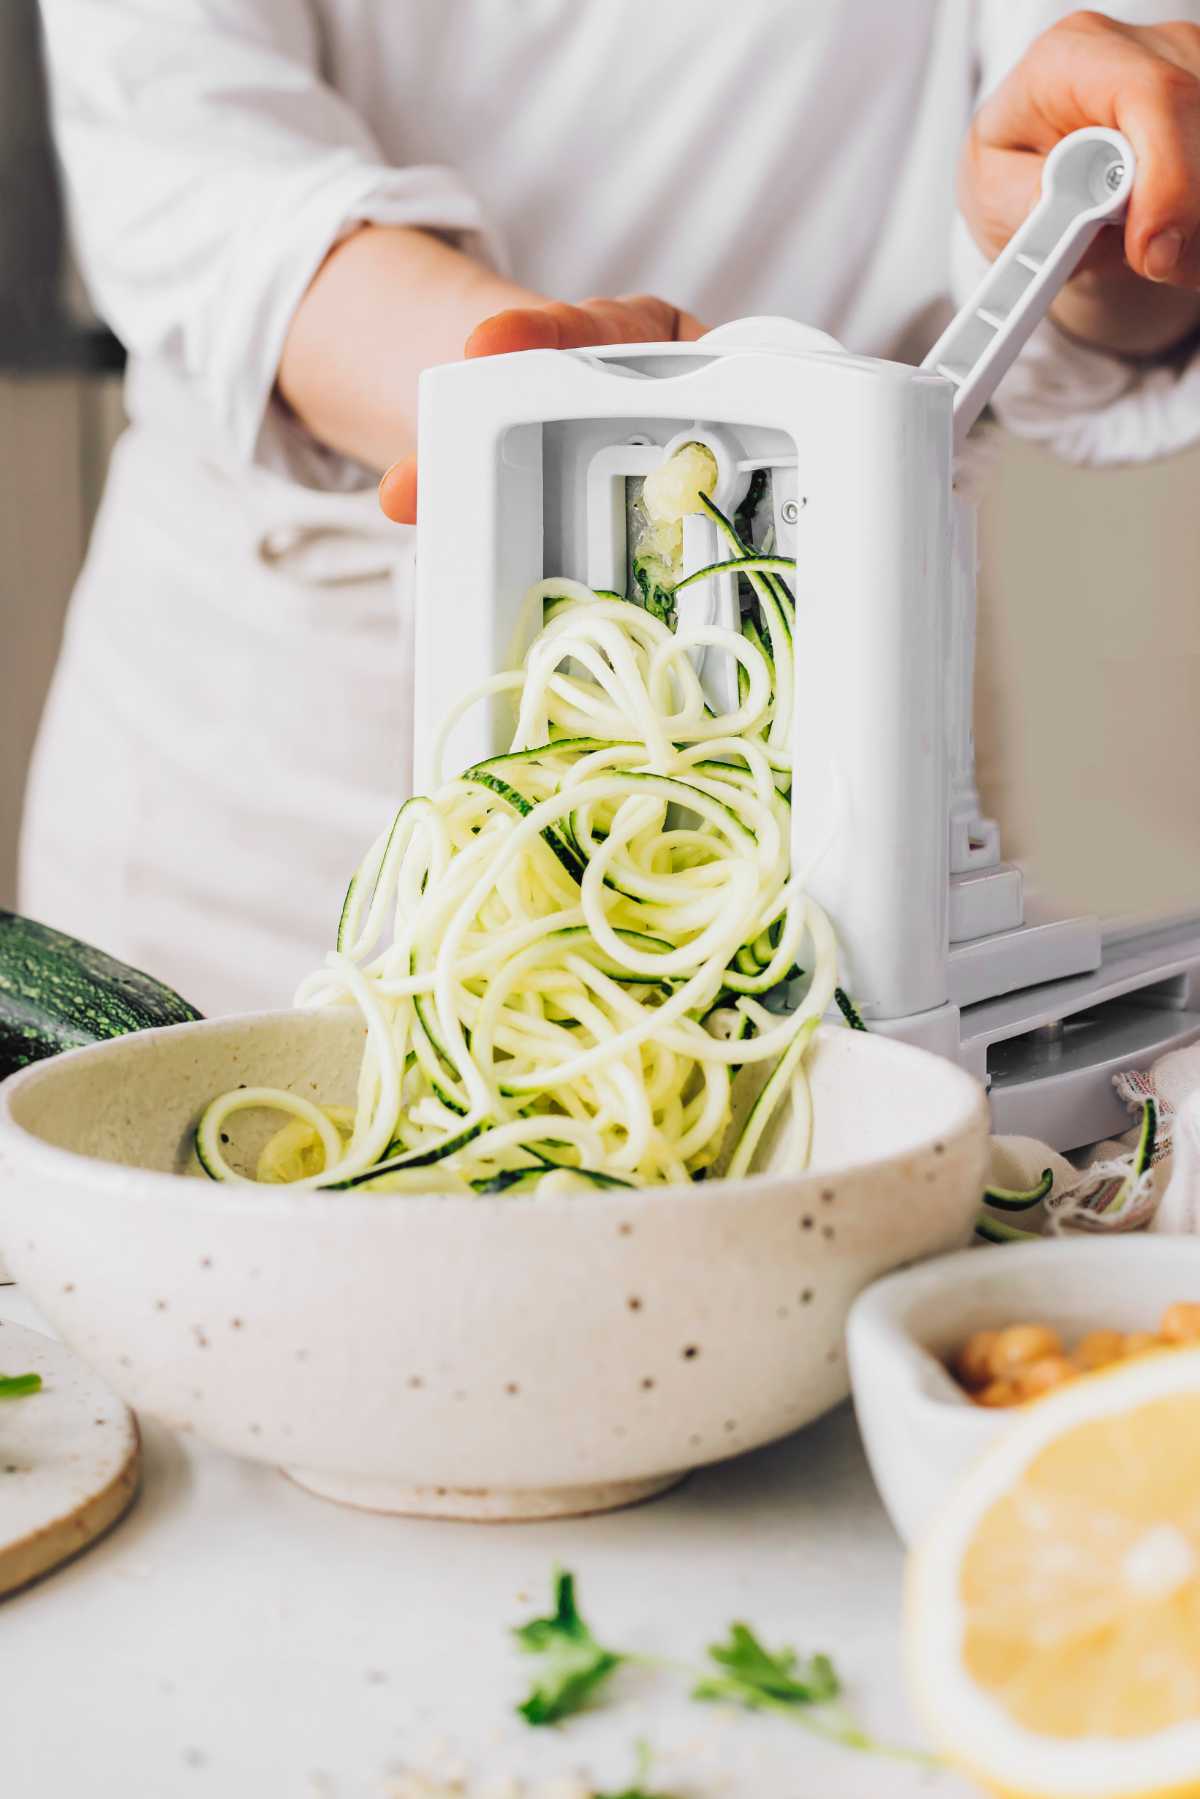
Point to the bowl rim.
(877, 1315)
(966, 1108)
(884, 1299)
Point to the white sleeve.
(1085, 405)
(209, 170)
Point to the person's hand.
(1137, 291)
(550, 326)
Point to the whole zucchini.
(57, 993)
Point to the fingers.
(398, 492)
(688, 328)
(1163, 125)
(635, 319)
(998, 189)
(1158, 109)
(520, 328)
(638, 318)
(1092, 70)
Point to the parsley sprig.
(750, 1675)
(572, 1664)
(741, 1671)
(641, 1776)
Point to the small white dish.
(920, 1430)
(507, 1356)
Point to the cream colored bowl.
(491, 1357)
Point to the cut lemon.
(1053, 1609)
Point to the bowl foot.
(480, 1505)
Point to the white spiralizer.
(530, 465)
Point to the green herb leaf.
(16, 1386)
(641, 1775)
(573, 1663)
(634, 1792)
(807, 1691)
(751, 1675)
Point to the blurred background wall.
(1088, 707)
(60, 411)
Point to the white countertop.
(236, 1638)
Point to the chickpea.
(997, 1393)
(1098, 1349)
(1007, 1367)
(973, 1363)
(1040, 1376)
(1020, 1345)
(1181, 1322)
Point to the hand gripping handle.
(1086, 184)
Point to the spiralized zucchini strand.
(563, 955)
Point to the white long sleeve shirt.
(228, 726)
(778, 156)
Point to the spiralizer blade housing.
(531, 465)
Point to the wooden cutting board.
(70, 1459)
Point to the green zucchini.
(574, 866)
(762, 1132)
(575, 746)
(600, 958)
(1012, 1199)
(519, 1179)
(57, 993)
(994, 1230)
(848, 1009)
(423, 1007)
(412, 1159)
(656, 587)
(1147, 1141)
(523, 1179)
(740, 565)
(1143, 1156)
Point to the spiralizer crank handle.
(1086, 183)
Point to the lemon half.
(1053, 1608)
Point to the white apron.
(228, 727)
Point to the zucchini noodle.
(565, 953)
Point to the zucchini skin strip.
(1143, 1156)
(848, 1009)
(993, 1230)
(1006, 1199)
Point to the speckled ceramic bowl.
(500, 1357)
